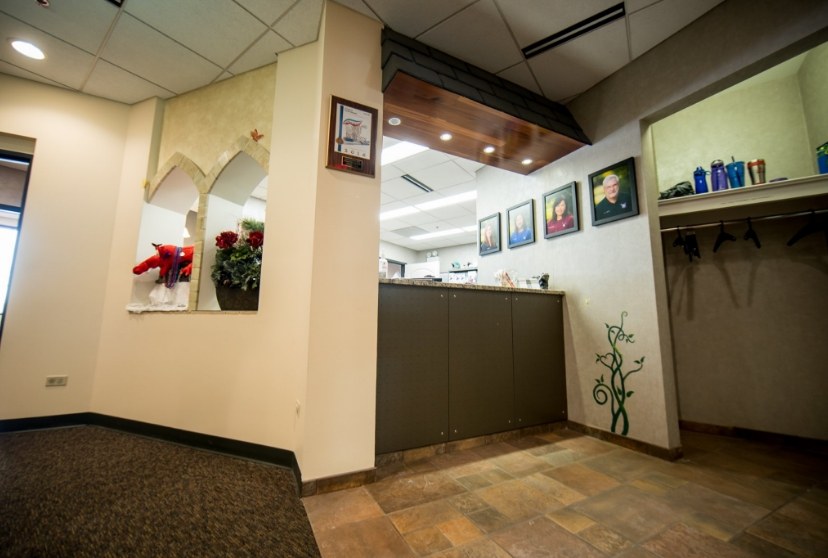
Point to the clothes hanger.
(679, 241)
(691, 246)
(723, 236)
(750, 234)
(814, 225)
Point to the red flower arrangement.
(239, 256)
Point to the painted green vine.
(616, 390)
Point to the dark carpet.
(93, 492)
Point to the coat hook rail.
(744, 219)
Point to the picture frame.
(488, 234)
(521, 223)
(560, 211)
(626, 199)
(352, 137)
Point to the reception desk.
(458, 361)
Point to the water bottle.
(700, 175)
(718, 176)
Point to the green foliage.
(239, 256)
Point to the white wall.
(813, 83)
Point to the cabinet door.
(412, 367)
(540, 374)
(481, 399)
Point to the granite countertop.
(467, 286)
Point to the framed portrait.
(352, 137)
(560, 211)
(613, 193)
(488, 229)
(521, 225)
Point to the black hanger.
(723, 236)
(691, 246)
(750, 234)
(815, 224)
(679, 241)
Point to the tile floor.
(564, 494)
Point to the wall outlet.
(52, 381)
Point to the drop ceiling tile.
(449, 212)
(443, 175)
(420, 161)
(399, 189)
(477, 35)
(413, 18)
(267, 10)
(652, 25)
(469, 166)
(387, 172)
(261, 53)
(521, 75)
(574, 67)
(160, 61)
(63, 64)
(112, 82)
(537, 19)
(301, 24)
(633, 6)
(83, 23)
(6, 68)
(216, 29)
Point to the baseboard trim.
(228, 446)
(750, 434)
(669, 454)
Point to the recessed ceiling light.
(28, 49)
(394, 121)
(526, 162)
(445, 136)
(489, 149)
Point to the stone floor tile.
(604, 539)
(680, 541)
(561, 457)
(570, 520)
(335, 509)
(517, 500)
(583, 479)
(635, 552)
(467, 503)
(630, 512)
(760, 548)
(520, 464)
(427, 541)
(791, 534)
(540, 537)
(587, 445)
(397, 494)
(374, 537)
(553, 489)
(485, 548)
(494, 450)
(625, 465)
(483, 479)
(809, 512)
(489, 519)
(425, 515)
(734, 514)
(460, 531)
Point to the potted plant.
(237, 269)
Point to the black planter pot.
(234, 298)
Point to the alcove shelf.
(775, 198)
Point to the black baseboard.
(750, 434)
(235, 448)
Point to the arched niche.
(169, 216)
(238, 192)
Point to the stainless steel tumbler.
(756, 168)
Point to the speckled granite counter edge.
(467, 286)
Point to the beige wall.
(56, 297)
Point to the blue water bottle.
(718, 177)
(700, 175)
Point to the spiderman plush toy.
(175, 264)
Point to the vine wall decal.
(616, 390)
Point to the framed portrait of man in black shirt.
(614, 194)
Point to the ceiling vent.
(574, 31)
(417, 183)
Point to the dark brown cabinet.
(455, 363)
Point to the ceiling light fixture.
(394, 121)
(400, 151)
(445, 136)
(489, 149)
(27, 49)
(397, 213)
(526, 162)
(437, 234)
(450, 200)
